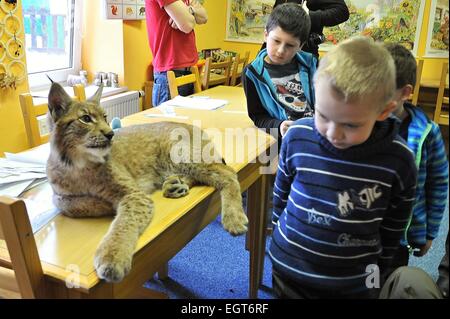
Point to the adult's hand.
(179, 14)
(284, 126)
(200, 15)
(305, 7)
(173, 24)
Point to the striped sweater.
(337, 212)
(425, 140)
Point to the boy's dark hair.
(292, 18)
(405, 64)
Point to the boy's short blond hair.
(359, 68)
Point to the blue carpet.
(215, 265)
(431, 260)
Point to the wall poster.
(396, 21)
(437, 39)
(246, 20)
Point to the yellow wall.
(211, 35)
(137, 54)
(12, 130)
(102, 42)
(122, 47)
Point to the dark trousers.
(286, 288)
(401, 258)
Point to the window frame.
(39, 80)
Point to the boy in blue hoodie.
(424, 138)
(278, 83)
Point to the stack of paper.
(21, 173)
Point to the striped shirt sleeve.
(436, 184)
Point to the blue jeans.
(161, 91)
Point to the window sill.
(41, 96)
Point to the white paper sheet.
(199, 103)
(14, 189)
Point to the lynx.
(96, 172)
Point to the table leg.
(163, 272)
(257, 214)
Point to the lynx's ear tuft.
(97, 96)
(58, 101)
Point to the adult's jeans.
(161, 91)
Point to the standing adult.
(170, 29)
(323, 13)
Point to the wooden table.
(67, 246)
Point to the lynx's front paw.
(111, 264)
(235, 221)
(174, 187)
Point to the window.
(52, 39)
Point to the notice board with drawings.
(124, 9)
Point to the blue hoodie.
(267, 90)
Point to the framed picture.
(438, 15)
(396, 21)
(437, 39)
(246, 20)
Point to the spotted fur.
(94, 172)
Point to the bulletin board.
(437, 39)
(246, 20)
(124, 9)
(396, 21)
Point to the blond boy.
(345, 182)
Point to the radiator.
(119, 105)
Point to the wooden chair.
(211, 78)
(31, 112)
(414, 97)
(148, 88)
(79, 92)
(441, 116)
(21, 276)
(238, 65)
(176, 82)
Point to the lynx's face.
(80, 131)
(85, 128)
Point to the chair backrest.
(414, 97)
(239, 64)
(21, 276)
(148, 88)
(441, 116)
(79, 92)
(31, 112)
(176, 82)
(216, 73)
